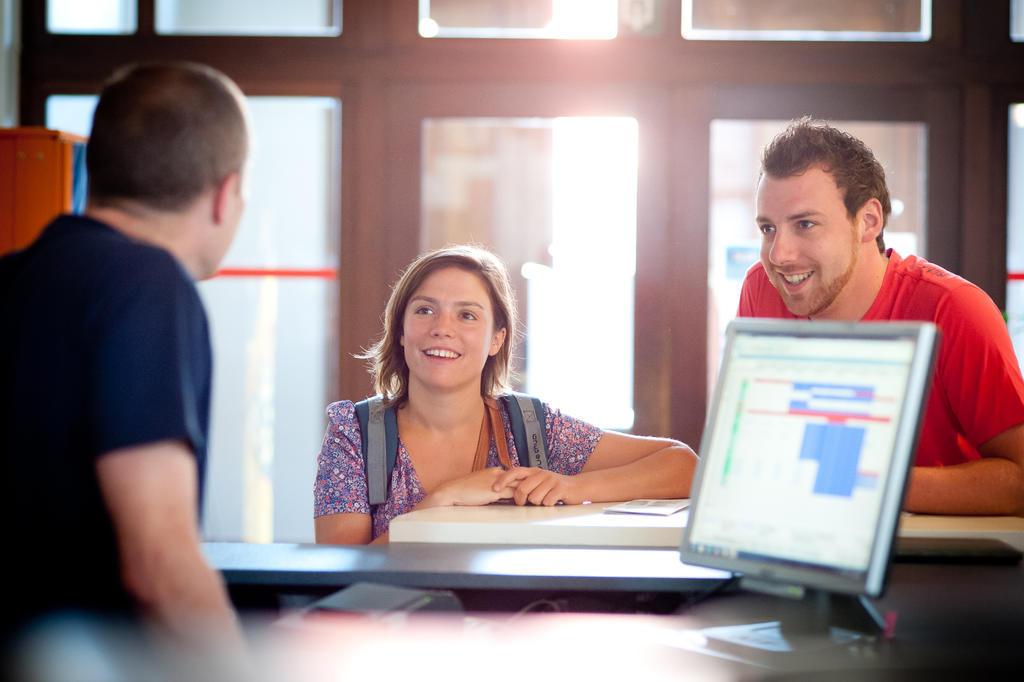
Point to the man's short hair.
(163, 134)
(857, 173)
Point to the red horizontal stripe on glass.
(321, 273)
(1015, 275)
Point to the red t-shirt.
(977, 391)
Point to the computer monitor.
(806, 452)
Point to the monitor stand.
(809, 612)
(766, 625)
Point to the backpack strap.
(526, 415)
(378, 427)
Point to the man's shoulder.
(922, 286)
(115, 276)
(915, 268)
(79, 266)
(123, 250)
(916, 289)
(96, 247)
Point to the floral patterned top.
(341, 487)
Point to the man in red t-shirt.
(822, 204)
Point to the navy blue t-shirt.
(105, 345)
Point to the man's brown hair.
(163, 134)
(857, 173)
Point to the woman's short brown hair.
(387, 357)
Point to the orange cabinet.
(42, 174)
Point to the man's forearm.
(991, 486)
(180, 593)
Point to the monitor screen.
(806, 452)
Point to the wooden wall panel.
(386, 75)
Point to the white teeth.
(438, 353)
(796, 279)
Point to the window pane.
(70, 113)
(903, 20)
(519, 18)
(734, 242)
(271, 342)
(271, 312)
(91, 16)
(1017, 20)
(1015, 229)
(249, 17)
(556, 199)
(10, 52)
(271, 315)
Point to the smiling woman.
(448, 334)
(444, 356)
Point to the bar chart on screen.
(836, 419)
(808, 439)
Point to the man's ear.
(871, 219)
(225, 195)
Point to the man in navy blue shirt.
(105, 364)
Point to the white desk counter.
(1009, 529)
(589, 526)
(565, 525)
